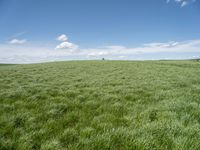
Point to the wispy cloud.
(182, 3)
(62, 38)
(16, 35)
(186, 46)
(17, 41)
(25, 54)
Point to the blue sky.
(48, 30)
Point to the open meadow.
(100, 105)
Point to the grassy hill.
(111, 105)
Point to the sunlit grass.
(100, 105)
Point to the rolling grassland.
(100, 105)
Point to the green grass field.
(94, 105)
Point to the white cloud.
(66, 45)
(62, 38)
(178, 1)
(162, 45)
(17, 41)
(182, 3)
(169, 47)
(25, 54)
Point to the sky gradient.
(49, 30)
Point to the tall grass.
(111, 105)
